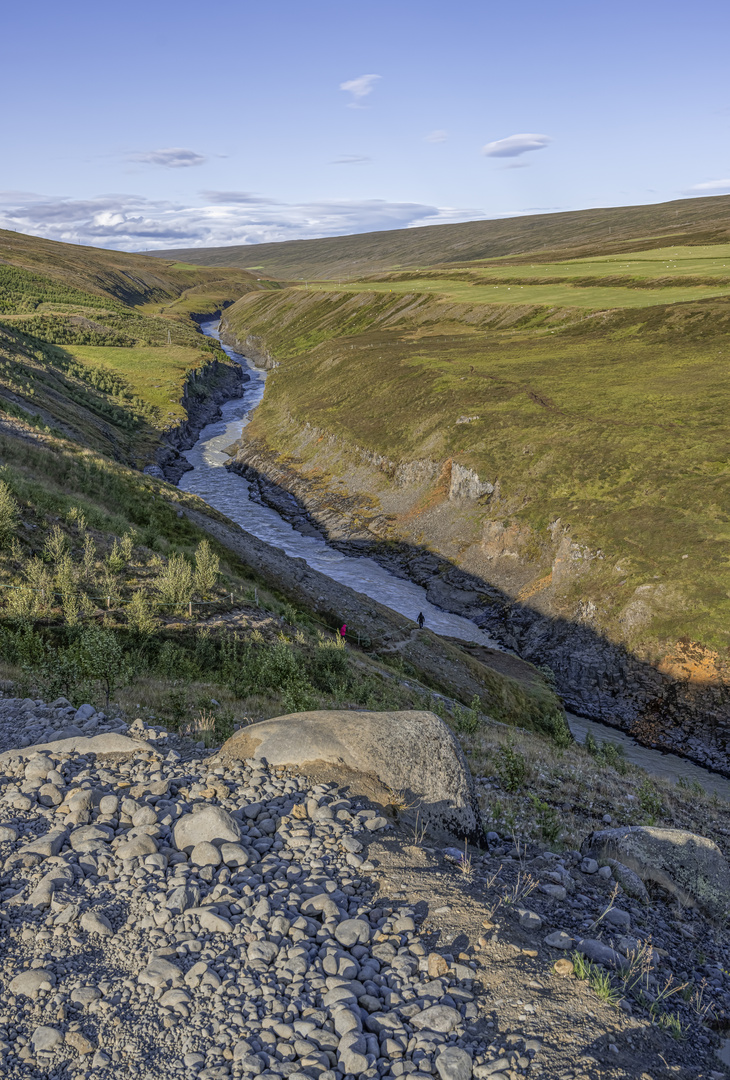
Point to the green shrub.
(511, 768)
(650, 800)
(468, 720)
(207, 568)
(547, 819)
(173, 662)
(175, 582)
(9, 515)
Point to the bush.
(140, 614)
(511, 768)
(329, 668)
(174, 662)
(9, 515)
(175, 582)
(207, 568)
(467, 720)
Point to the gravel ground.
(167, 914)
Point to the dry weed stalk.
(611, 902)
(466, 865)
(523, 886)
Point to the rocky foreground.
(169, 913)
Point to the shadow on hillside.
(596, 677)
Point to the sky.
(167, 124)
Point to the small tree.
(207, 568)
(55, 545)
(175, 582)
(9, 514)
(101, 660)
(40, 580)
(140, 615)
(88, 560)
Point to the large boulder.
(411, 753)
(211, 825)
(690, 867)
(108, 743)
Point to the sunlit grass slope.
(613, 422)
(97, 344)
(634, 280)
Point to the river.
(229, 493)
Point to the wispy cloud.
(133, 223)
(710, 187)
(351, 159)
(437, 136)
(173, 157)
(515, 145)
(359, 88)
(246, 198)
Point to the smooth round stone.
(108, 805)
(46, 1038)
(144, 816)
(453, 1063)
(205, 854)
(136, 848)
(234, 855)
(353, 932)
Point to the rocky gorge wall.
(439, 524)
(204, 392)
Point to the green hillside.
(97, 345)
(107, 586)
(591, 392)
(611, 230)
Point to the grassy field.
(155, 375)
(564, 294)
(641, 279)
(96, 345)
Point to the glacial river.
(229, 493)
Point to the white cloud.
(710, 187)
(359, 88)
(135, 223)
(173, 157)
(351, 159)
(436, 136)
(515, 145)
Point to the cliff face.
(204, 392)
(443, 525)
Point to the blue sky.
(160, 124)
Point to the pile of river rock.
(164, 915)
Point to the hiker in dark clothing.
(421, 620)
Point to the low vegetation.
(608, 425)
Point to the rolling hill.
(611, 230)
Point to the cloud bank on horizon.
(137, 223)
